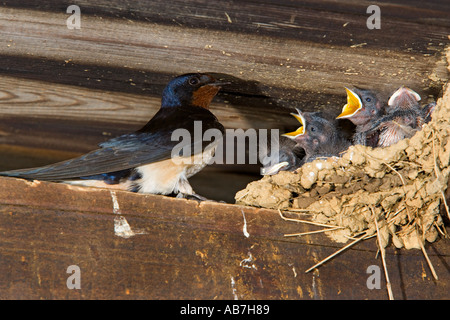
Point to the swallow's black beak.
(219, 83)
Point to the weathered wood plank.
(33, 99)
(295, 65)
(206, 251)
(407, 25)
(270, 75)
(128, 66)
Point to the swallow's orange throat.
(203, 96)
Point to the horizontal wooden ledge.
(183, 250)
(92, 202)
(214, 216)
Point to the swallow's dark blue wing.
(125, 152)
(151, 144)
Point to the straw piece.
(363, 237)
(433, 272)
(383, 259)
(311, 232)
(306, 221)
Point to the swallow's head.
(193, 89)
(404, 98)
(362, 106)
(313, 132)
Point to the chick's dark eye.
(194, 81)
(368, 99)
(313, 129)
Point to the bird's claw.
(192, 196)
(196, 197)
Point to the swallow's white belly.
(162, 177)
(170, 176)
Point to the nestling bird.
(142, 161)
(428, 111)
(404, 99)
(408, 100)
(362, 109)
(318, 136)
(288, 158)
(404, 117)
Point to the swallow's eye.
(313, 129)
(368, 99)
(194, 81)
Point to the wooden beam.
(408, 26)
(287, 68)
(86, 85)
(184, 250)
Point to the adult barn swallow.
(319, 137)
(141, 161)
(404, 117)
(288, 158)
(363, 108)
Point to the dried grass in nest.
(392, 192)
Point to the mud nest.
(397, 190)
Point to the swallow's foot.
(192, 196)
(196, 197)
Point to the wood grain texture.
(37, 99)
(188, 251)
(68, 90)
(314, 21)
(279, 56)
(273, 61)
